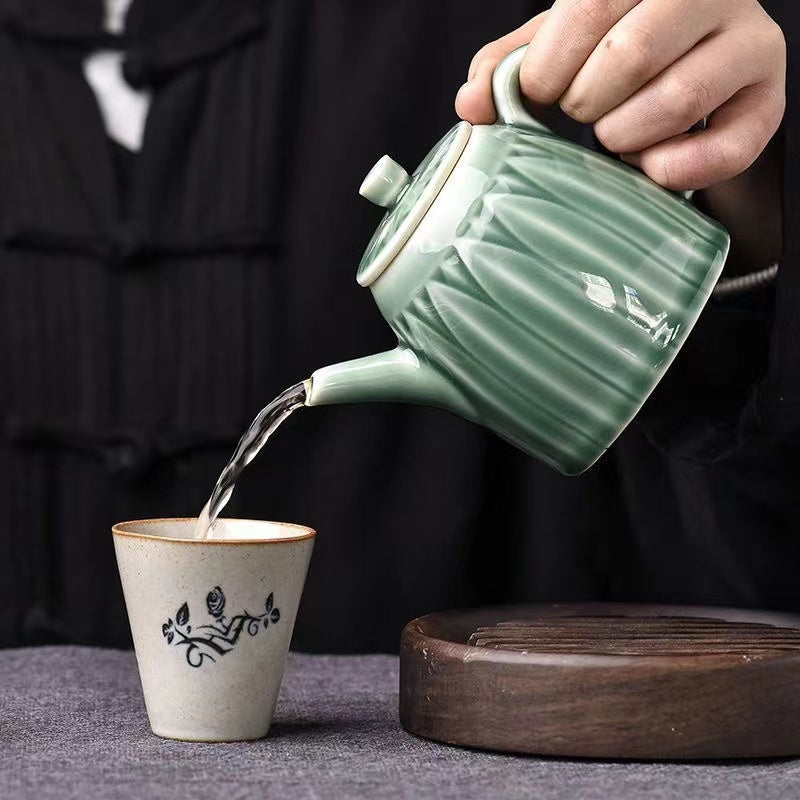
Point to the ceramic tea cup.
(212, 620)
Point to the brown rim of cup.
(118, 530)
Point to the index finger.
(565, 40)
(474, 101)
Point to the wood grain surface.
(605, 681)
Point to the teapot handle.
(510, 108)
(508, 95)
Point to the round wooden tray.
(605, 681)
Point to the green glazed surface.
(393, 220)
(543, 295)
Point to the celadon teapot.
(535, 287)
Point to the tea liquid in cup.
(212, 620)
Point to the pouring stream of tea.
(263, 426)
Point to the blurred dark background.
(154, 299)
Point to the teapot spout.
(396, 376)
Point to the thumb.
(474, 100)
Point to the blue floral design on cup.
(219, 637)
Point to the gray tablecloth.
(73, 725)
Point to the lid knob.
(384, 183)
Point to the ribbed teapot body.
(552, 287)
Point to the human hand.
(643, 72)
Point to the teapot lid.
(406, 198)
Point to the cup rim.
(118, 529)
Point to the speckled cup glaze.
(211, 620)
(535, 287)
